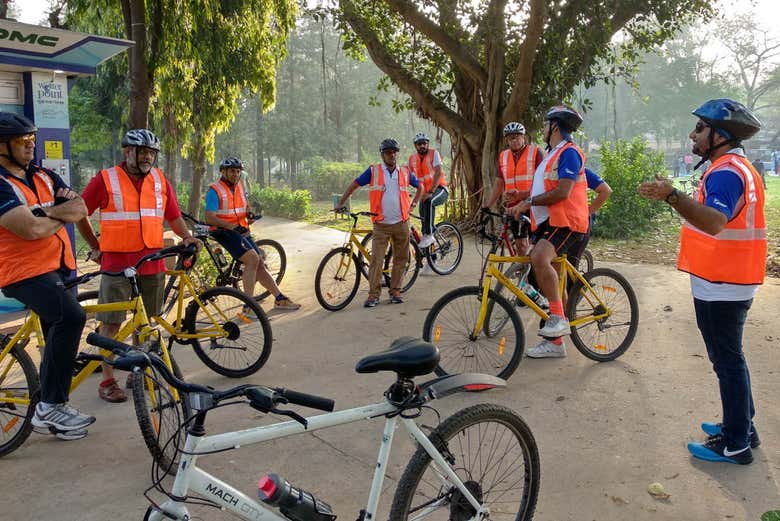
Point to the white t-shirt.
(542, 213)
(391, 199)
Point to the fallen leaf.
(618, 500)
(658, 491)
(672, 477)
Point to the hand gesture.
(657, 190)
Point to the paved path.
(605, 431)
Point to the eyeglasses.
(26, 139)
(700, 126)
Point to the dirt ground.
(604, 431)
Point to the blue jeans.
(721, 324)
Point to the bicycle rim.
(445, 253)
(19, 393)
(337, 280)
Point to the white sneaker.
(426, 240)
(427, 270)
(546, 349)
(556, 326)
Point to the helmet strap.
(10, 156)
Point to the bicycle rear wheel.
(275, 260)
(19, 394)
(234, 332)
(445, 253)
(160, 415)
(338, 279)
(450, 325)
(492, 451)
(607, 338)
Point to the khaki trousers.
(383, 235)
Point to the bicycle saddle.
(407, 356)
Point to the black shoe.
(396, 299)
(371, 302)
(715, 429)
(715, 449)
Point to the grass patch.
(321, 214)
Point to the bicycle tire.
(15, 423)
(276, 262)
(460, 319)
(444, 248)
(150, 416)
(455, 439)
(324, 290)
(577, 307)
(366, 243)
(587, 257)
(236, 313)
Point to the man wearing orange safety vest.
(516, 167)
(559, 218)
(426, 165)
(227, 210)
(35, 257)
(134, 199)
(723, 247)
(388, 194)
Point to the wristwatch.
(673, 196)
(530, 201)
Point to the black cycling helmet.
(389, 144)
(13, 125)
(729, 116)
(231, 162)
(141, 137)
(568, 119)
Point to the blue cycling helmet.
(231, 162)
(730, 118)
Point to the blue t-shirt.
(212, 200)
(365, 178)
(724, 188)
(593, 179)
(569, 164)
(8, 198)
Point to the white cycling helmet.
(420, 137)
(513, 127)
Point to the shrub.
(624, 165)
(330, 177)
(283, 203)
(183, 196)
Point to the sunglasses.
(26, 140)
(700, 126)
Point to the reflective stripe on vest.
(572, 212)
(515, 179)
(376, 189)
(132, 220)
(232, 203)
(21, 259)
(737, 254)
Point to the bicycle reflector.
(437, 334)
(10, 425)
(501, 346)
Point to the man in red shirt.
(134, 199)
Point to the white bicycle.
(480, 463)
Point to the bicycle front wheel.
(19, 394)
(161, 410)
(492, 451)
(606, 338)
(275, 260)
(233, 332)
(445, 253)
(450, 325)
(338, 279)
(497, 318)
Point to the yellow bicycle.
(477, 330)
(226, 329)
(338, 275)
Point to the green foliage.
(283, 203)
(772, 515)
(329, 177)
(183, 196)
(624, 165)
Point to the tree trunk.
(134, 12)
(198, 171)
(259, 168)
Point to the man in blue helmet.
(723, 247)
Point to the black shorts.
(563, 239)
(235, 243)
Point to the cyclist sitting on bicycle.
(426, 166)
(516, 166)
(559, 217)
(134, 198)
(227, 212)
(35, 257)
(388, 194)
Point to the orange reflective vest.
(736, 255)
(132, 220)
(423, 169)
(21, 259)
(376, 190)
(518, 175)
(572, 212)
(232, 203)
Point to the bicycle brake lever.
(292, 414)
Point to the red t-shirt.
(96, 196)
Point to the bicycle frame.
(565, 271)
(190, 478)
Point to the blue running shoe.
(715, 429)
(715, 449)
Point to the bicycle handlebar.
(129, 358)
